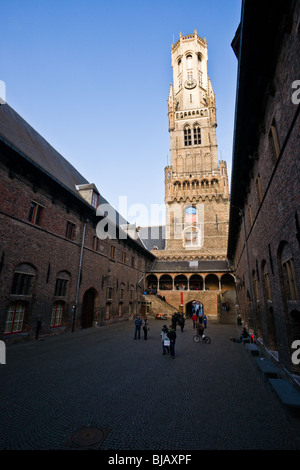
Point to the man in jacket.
(138, 326)
(172, 337)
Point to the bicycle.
(197, 338)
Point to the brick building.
(56, 273)
(264, 230)
(191, 267)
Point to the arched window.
(189, 61)
(61, 285)
(197, 135)
(22, 280)
(288, 272)
(179, 66)
(165, 282)
(274, 141)
(187, 136)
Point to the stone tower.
(196, 183)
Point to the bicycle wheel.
(207, 340)
(196, 338)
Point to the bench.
(267, 368)
(286, 392)
(252, 349)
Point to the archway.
(194, 306)
(211, 282)
(88, 308)
(151, 284)
(196, 282)
(227, 282)
(165, 282)
(181, 282)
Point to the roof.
(190, 266)
(17, 132)
(153, 237)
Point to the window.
(273, 137)
(179, 66)
(22, 279)
(289, 280)
(70, 231)
(56, 316)
(121, 293)
(95, 243)
(124, 257)
(35, 213)
(112, 251)
(250, 215)
(190, 215)
(95, 199)
(187, 136)
(107, 311)
(21, 284)
(197, 135)
(61, 287)
(286, 264)
(14, 318)
(109, 293)
(267, 285)
(191, 237)
(189, 61)
(120, 310)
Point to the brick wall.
(47, 251)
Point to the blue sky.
(92, 77)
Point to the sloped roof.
(153, 237)
(20, 135)
(190, 266)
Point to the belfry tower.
(196, 183)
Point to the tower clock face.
(189, 84)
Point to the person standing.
(145, 328)
(138, 326)
(195, 319)
(204, 321)
(181, 321)
(165, 340)
(172, 337)
(174, 320)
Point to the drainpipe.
(79, 276)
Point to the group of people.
(139, 324)
(168, 338)
(202, 319)
(178, 319)
(168, 335)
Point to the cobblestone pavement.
(99, 388)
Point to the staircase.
(158, 306)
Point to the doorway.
(194, 306)
(88, 308)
